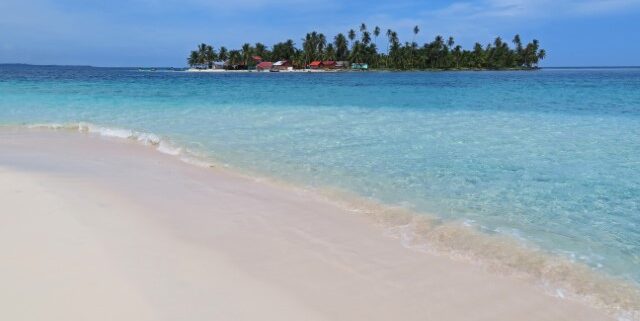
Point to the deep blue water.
(549, 156)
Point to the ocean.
(548, 157)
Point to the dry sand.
(97, 229)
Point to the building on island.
(329, 64)
(282, 65)
(342, 64)
(316, 64)
(264, 66)
(326, 64)
(359, 66)
(218, 64)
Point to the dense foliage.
(361, 47)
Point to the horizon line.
(92, 66)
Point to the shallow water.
(551, 157)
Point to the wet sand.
(94, 228)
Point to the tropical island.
(359, 51)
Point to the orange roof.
(264, 65)
(315, 63)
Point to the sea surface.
(550, 157)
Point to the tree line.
(362, 47)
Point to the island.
(359, 51)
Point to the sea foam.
(147, 139)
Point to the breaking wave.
(148, 139)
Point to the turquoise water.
(549, 156)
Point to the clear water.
(551, 156)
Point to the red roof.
(257, 58)
(265, 65)
(329, 63)
(315, 63)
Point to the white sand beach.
(280, 71)
(93, 228)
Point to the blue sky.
(160, 33)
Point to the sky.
(162, 32)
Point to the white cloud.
(605, 6)
(238, 6)
(534, 9)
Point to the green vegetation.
(359, 47)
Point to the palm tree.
(437, 44)
(329, 53)
(210, 56)
(341, 47)
(389, 33)
(352, 36)
(234, 57)
(290, 49)
(541, 55)
(478, 53)
(299, 58)
(321, 43)
(363, 27)
(202, 49)
(223, 54)
(261, 50)
(395, 47)
(308, 47)
(313, 45)
(376, 33)
(516, 41)
(457, 53)
(371, 54)
(530, 53)
(284, 50)
(366, 38)
(497, 58)
(356, 52)
(193, 58)
(247, 52)
(416, 29)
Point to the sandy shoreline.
(279, 71)
(100, 229)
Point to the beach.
(103, 228)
